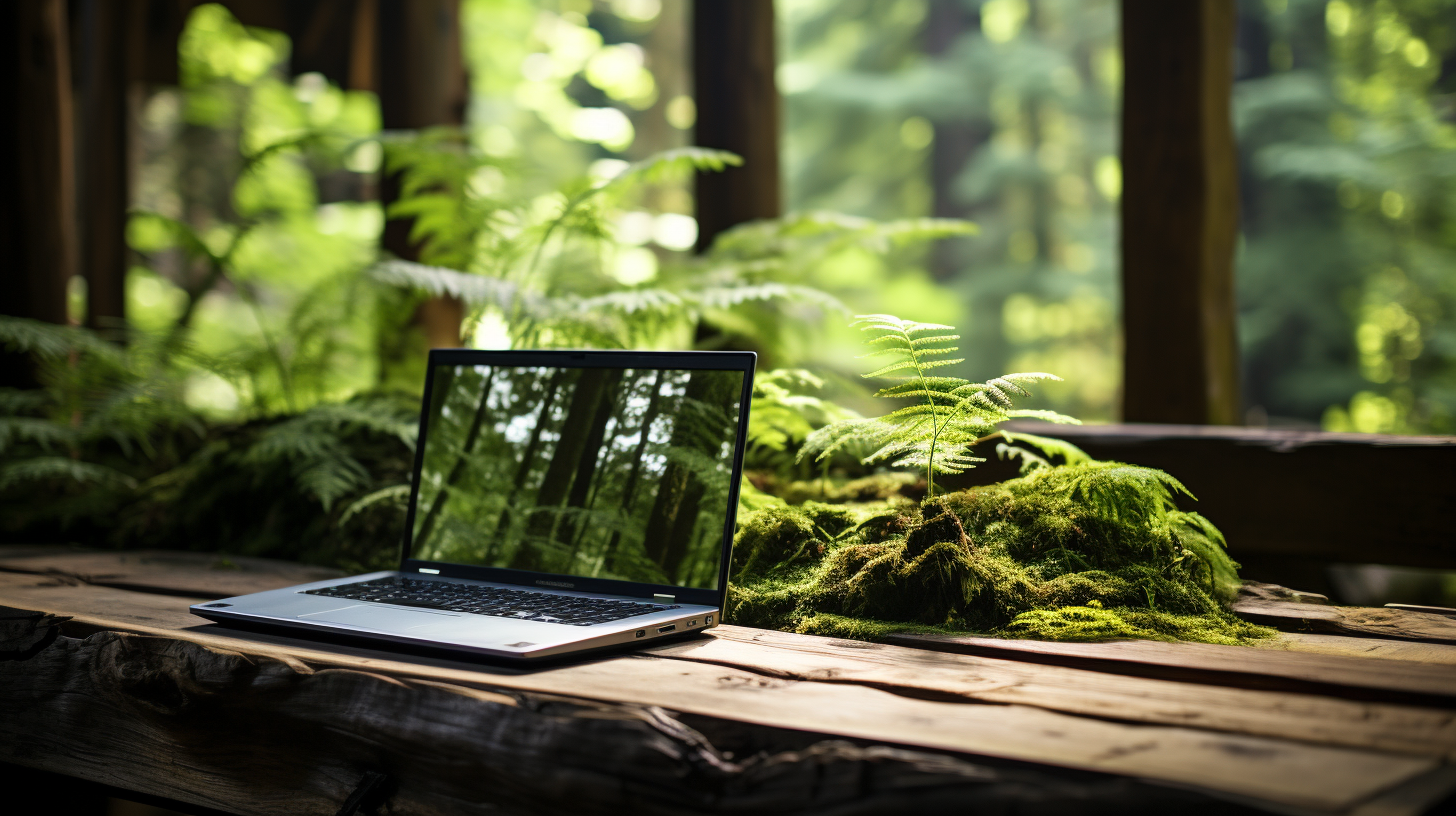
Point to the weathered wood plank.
(1302, 775)
(200, 575)
(254, 735)
(1288, 664)
(1278, 607)
(205, 575)
(1363, 647)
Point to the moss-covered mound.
(1092, 551)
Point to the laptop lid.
(601, 471)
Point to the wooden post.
(738, 110)
(1179, 213)
(37, 229)
(103, 139)
(421, 84)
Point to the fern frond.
(396, 493)
(676, 164)
(1116, 490)
(949, 416)
(48, 341)
(475, 290)
(43, 433)
(64, 469)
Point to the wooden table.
(105, 676)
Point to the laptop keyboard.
(475, 599)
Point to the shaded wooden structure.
(1179, 213)
(99, 650)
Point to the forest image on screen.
(602, 472)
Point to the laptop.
(562, 501)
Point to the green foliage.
(1010, 120)
(1086, 551)
(948, 417)
(109, 451)
(549, 274)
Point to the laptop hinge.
(664, 598)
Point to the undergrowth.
(1074, 552)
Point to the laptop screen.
(614, 473)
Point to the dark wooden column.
(1179, 213)
(103, 139)
(37, 230)
(738, 110)
(421, 83)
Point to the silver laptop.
(561, 502)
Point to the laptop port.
(693, 622)
(708, 620)
(662, 630)
(641, 633)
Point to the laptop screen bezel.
(742, 361)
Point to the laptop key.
(492, 601)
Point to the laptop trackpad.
(381, 618)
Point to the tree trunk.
(586, 467)
(629, 491)
(524, 469)
(679, 498)
(575, 432)
(472, 435)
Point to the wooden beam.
(738, 110)
(1310, 497)
(1179, 213)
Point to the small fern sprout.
(948, 417)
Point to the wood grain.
(790, 683)
(254, 735)
(1179, 211)
(1364, 669)
(1363, 647)
(1400, 624)
(197, 575)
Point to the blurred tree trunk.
(738, 110)
(421, 84)
(629, 490)
(37, 230)
(947, 22)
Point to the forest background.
(257, 302)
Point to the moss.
(1024, 558)
(872, 488)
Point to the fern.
(948, 417)
(314, 445)
(63, 469)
